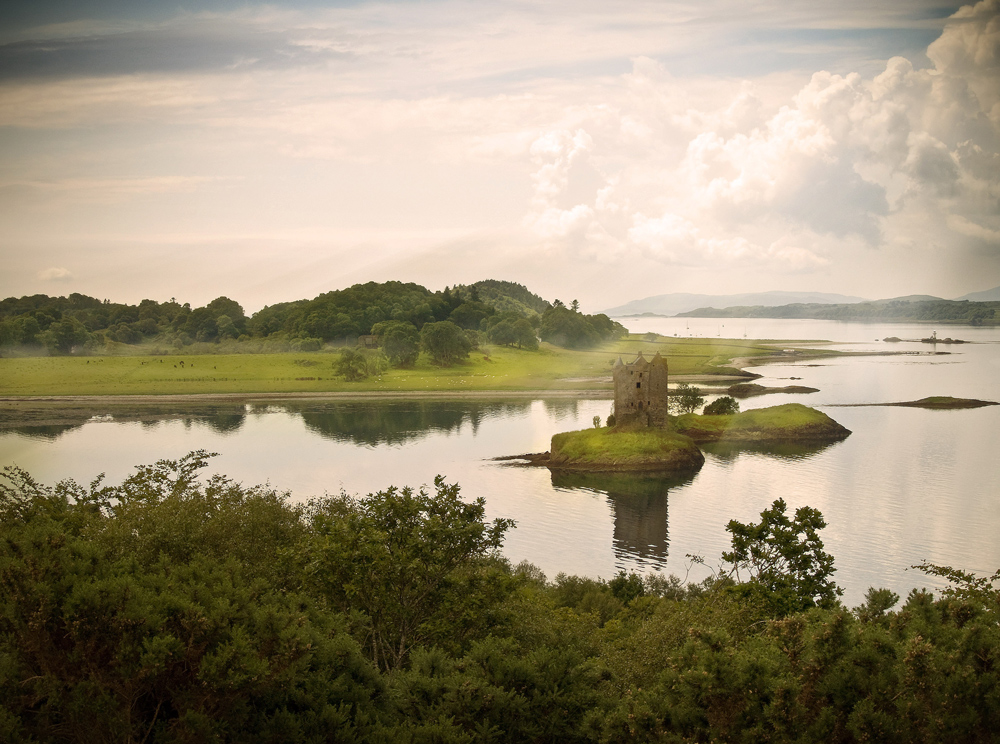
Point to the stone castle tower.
(641, 391)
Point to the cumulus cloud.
(830, 166)
(589, 132)
(55, 274)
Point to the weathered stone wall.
(641, 391)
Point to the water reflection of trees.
(394, 422)
(363, 422)
(561, 408)
(225, 422)
(639, 504)
(222, 418)
(50, 422)
(48, 432)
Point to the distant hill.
(989, 295)
(679, 302)
(508, 296)
(911, 298)
(895, 310)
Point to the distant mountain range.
(990, 295)
(678, 302)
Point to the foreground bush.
(178, 608)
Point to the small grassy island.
(674, 448)
(945, 402)
(792, 422)
(609, 449)
(751, 389)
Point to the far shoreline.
(331, 395)
(782, 356)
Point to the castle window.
(638, 385)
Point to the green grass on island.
(675, 448)
(625, 449)
(792, 422)
(491, 368)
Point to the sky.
(590, 150)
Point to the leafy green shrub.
(626, 587)
(360, 364)
(723, 406)
(422, 567)
(134, 613)
(686, 399)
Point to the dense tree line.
(950, 311)
(64, 324)
(508, 297)
(178, 608)
(567, 326)
(397, 313)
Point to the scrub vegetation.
(175, 607)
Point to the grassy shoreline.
(493, 370)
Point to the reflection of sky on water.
(907, 485)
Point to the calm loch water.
(907, 485)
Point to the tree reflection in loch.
(372, 423)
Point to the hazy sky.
(604, 151)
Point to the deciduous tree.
(400, 341)
(686, 398)
(782, 560)
(445, 343)
(724, 406)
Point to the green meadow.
(490, 368)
